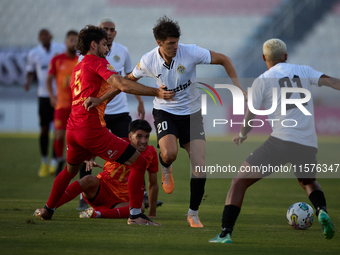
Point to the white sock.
(44, 160)
(81, 196)
(192, 211)
(135, 211)
(60, 159)
(53, 162)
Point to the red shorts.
(84, 144)
(109, 195)
(60, 118)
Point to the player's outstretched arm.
(91, 102)
(131, 77)
(223, 60)
(328, 81)
(140, 107)
(132, 87)
(119, 84)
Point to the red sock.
(121, 212)
(59, 148)
(136, 182)
(59, 186)
(73, 190)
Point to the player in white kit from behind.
(294, 143)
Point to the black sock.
(60, 167)
(230, 214)
(53, 154)
(196, 192)
(318, 200)
(83, 172)
(43, 144)
(49, 210)
(162, 162)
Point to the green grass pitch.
(261, 227)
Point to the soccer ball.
(300, 215)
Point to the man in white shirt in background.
(38, 60)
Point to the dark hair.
(44, 30)
(139, 124)
(166, 27)
(87, 35)
(71, 32)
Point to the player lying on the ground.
(107, 192)
(296, 145)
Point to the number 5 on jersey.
(77, 84)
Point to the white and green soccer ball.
(300, 215)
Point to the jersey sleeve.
(201, 55)
(128, 63)
(52, 67)
(104, 68)
(30, 66)
(153, 167)
(141, 70)
(313, 75)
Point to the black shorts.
(185, 127)
(276, 152)
(118, 124)
(46, 111)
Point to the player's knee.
(89, 182)
(168, 157)
(44, 130)
(239, 183)
(59, 136)
(307, 181)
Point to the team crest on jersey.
(110, 67)
(181, 69)
(111, 153)
(116, 58)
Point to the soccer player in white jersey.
(37, 62)
(174, 65)
(117, 116)
(296, 145)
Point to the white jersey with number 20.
(179, 76)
